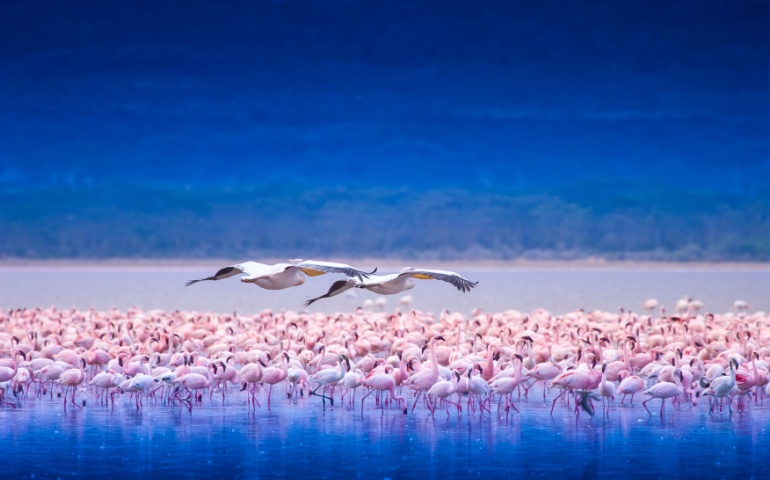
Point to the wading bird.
(664, 390)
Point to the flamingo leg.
(644, 404)
(364, 398)
(415, 400)
(324, 397)
(555, 399)
(510, 398)
(74, 391)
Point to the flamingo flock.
(450, 363)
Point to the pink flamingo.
(351, 381)
(490, 369)
(505, 386)
(224, 376)
(422, 381)
(744, 383)
(572, 380)
(8, 373)
(664, 390)
(442, 390)
(478, 389)
(544, 372)
(194, 383)
(629, 384)
(251, 374)
(22, 381)
(105, 381)
(297, 377)
(71, 379)
(382, 382)
(275, 375)
(400, 375)
(721, 387)
(50, 372)
(141, 384)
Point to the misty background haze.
(424, 129)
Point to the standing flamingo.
(275, 375)
(328, 376)
(251, 374)
(745, 382)
(7, 374)
(544, 372)
(664, 390)
(721, 387)
(607, 390)
(478, 389)
(442, 390)
(421, 381)
(71, 379)
(105, 381)
(505, 386)
(383, 382)
(632, 385)
(573, 380)
(351, 381)
(297, 376)
(194, 383)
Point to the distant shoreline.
(177, 264)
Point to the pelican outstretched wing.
(249, 268)
(337, 287)
(460, 282)
(313, 268)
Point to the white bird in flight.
(396, 282)
(283, 275)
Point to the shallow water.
(301, 439)
(557, 290)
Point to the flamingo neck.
(627, 356)
(676, 380)
(434, 361)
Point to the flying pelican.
(283, 275)
(397, 282)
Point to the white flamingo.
(328, 376)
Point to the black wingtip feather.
(309, 302)
(223, 271)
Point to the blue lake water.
(302, 440)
